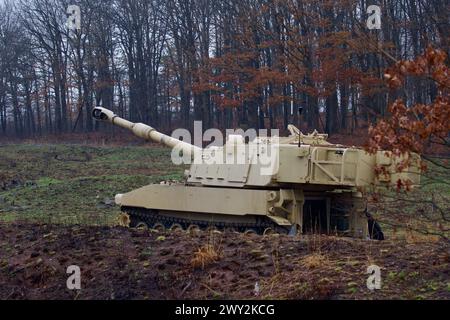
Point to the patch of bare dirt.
(122, 263)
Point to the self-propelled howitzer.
(285, 184)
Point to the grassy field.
(74, 184)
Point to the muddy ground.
(123, 263)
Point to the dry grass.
(416, 237)
(314, 260)
(210, 252)
(413, 236)
(204, 256)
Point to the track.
(263, 225)
(152, 219)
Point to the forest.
(228, 63)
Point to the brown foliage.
(411, 128)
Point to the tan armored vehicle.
(299, 183)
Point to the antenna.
(300, 110)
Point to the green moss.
(69, 184)
(46, 181)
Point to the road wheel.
(250, 232)
(230, 230)
(193, 229)
(137, 223)
(176, 227)
(212, 229)
(141, 225)
(159, 227)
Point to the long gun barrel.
(144, 131)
